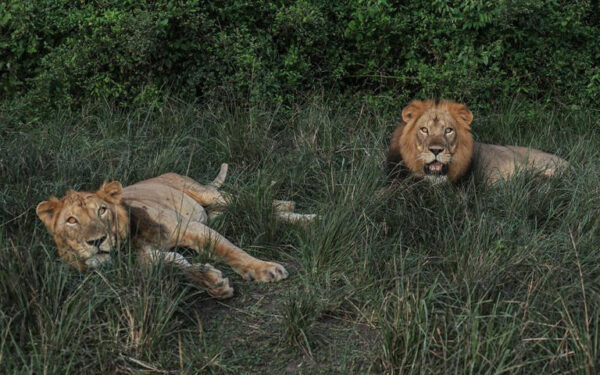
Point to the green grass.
(502, 279)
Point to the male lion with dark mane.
(434, 142)
(159, 214)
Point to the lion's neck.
(123, 223)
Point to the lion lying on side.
(435, 143)
(159, 214)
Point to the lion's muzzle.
(100, 250)
(97, 242)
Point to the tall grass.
(470, 279)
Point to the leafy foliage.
(132, 51)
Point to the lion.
(435, 143)
(158, 214)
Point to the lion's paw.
(267, 272)
(214, 283)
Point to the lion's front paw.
(214, 283)
(264, 271)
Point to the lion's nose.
(436, 150)
(97, 242)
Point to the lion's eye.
(102, 210)
(449, 130)
(72, 220)
(424, 130)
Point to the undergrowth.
(421, 279)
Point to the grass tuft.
(420, 279)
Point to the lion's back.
(495, 162)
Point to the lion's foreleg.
(204, 275)
(198, 236)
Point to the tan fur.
(71, 239)
(495, 162)
(166, 211)
(425, 130)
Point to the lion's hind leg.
(207, 196)
(216, 201)
(284, 206)
(284, 211)
(293, 217)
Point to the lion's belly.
(165, 202)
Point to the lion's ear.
(48, 210)
(461, 113)
(413, 110)
(111, 192)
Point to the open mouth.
(436, 168)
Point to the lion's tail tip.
(220, 179)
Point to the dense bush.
(63, 51)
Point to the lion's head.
(86, 226)
(435, 141)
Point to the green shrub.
(66, 52)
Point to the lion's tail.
(220, 179)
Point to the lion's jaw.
(439, 135)
(85, 226)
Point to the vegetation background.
(472, 279)
(59, 53)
